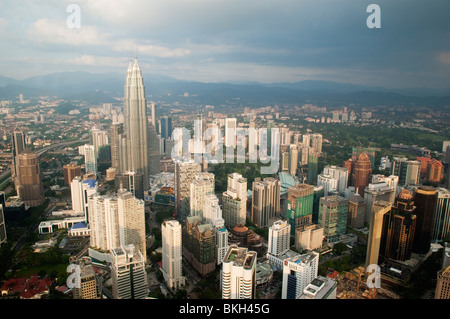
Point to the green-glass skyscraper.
(333, 213)
(300, 205)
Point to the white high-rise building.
(279, 238)
(235, 201)
(185, 173)
(129, 278)
(412, 173)
(298, 272)
(99, 138)
(340, 174)
(230, 132)
(212, 213)
(80, 193)
(172, 254)
(117, 221)
(202, 185)
(329, 183)
(90, 159)
(293, 159)
(238, 276)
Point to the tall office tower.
(379, 209)
(309, 237)
(435, 171)
(313, 160)
(212, 213)
(441, 226)
(18, 145)
(357, 207)
(166, 127)
(279, 238)
(306, 140)
(3, 236)
(116, 134)
(317, 143)
(80, 192)
(131, 211)
(230, 132)
(293, 159)
(369, 151)
(136, 124)
(284, 163)
(340, 174)
(131, 181)
(412, 173)
(129, 278)
(99, 138)
(253, 137)
(443, 284)
(184, 175)
(234, 200)
(329, 183)
(238, 275)
(202, 185)
(298, 272)
(153, 114)
(349, 165)
(425, 199)
(90, 284)
(265, 201)
(333, 213)
(300, 206)
(362, 172)
(28, 181)
(318, 194)
(70, 172)
(398, 168)
(374, 192)
(90, 159)
(172, 254)
(398, 229)
(199, 244)
(304, 155)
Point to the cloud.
(444, 58)
(146, 49)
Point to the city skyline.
(219, 41)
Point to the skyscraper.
(131, 181)
(238, 276)
(441, 226)
(90, 159)
(298, 272)
(115, 133)
(129, 278)
(18, 145)
(362, 172)
(70, 172)
(235, 201)
(300, 206)
(184, 175)
(333, 213)
(379, 209)
(425, 199)
(202, 185)
(172, 254)
(265, 201)
(28, 181)
(90, 284)
(80, 192)
(279, 238)
(443, 284)
(166, 127)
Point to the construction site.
(353, 285)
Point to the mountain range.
(105, 87)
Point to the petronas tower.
(138, 151)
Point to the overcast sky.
(233, 40)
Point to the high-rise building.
(425, 199)
(129, 278)
(184, 175)
(117, 220)
(265, 201)
(379, 209)
(199, 244)
(356, 211)
(313, 160)
(230, 132)
(18, 145)
(90, 159)
(398, 228)
(80, 191)
(317, 143)
(28, 182)
(90, 284)
(131, 181)
(375, 192)
(369, 151)
(329, 183)
(340, 174)
(202, 185)
(99, 138)
(238, 276)
(293, 159)
(70, 172)
(309, 237)
(166, 127)
(116, 133)
(279, 238)
(443, 284)
(362, 172)
(441, 226)
(300, 205)
(234, 201)
(333, 216)
(412, 173)
(171, 234)
(298, 272)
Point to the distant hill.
(103, 87)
